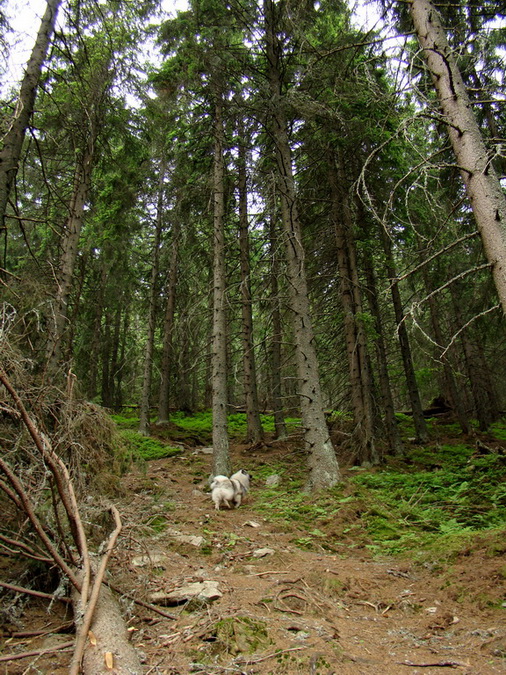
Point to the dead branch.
(36, 652)
(28, 509)
(27, 551)
(29, 591)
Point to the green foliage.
(202, 422)
(146, 447)
(443, 495)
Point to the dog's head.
(243, 477)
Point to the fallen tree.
(38, 487)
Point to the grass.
(437, 499)
(202, 422)
(147, 447)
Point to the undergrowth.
(147, 447)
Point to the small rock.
(251, 523)
(204, 591)
(273, 481)
(155, 560)
(203, 451)
(194, 540)
(262, 552)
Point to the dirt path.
(286, 610)
(282, 609)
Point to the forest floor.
(289, 600)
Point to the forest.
(273, 212)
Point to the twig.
(29, 591)
(261, 574)
(64, 628)
(436, 664)
(270, 656)
(90, 609)
(37, 652)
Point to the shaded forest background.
(120, 224)
(257, 208)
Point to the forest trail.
(283, 609)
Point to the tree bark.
(405, 348)
(221, 458)
(277, 334)
(392, 434)
(69, 244)
(356, 344)
(153, 294)
(323, 465)
(485, 401)
(168, 326)
(480, 179)
(254, 426)
(13, 140)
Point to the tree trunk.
(13, 140)
(407, 360)
(356, 344)
(111, 637)
(69, 244)
(324, 469)
(168, 326)
(482, 184)
(449, 389)
(485, 401)
(221, 458)
(254, 426)
(277, 335)
(150, 339)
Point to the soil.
(282, 609)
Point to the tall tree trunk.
(153, 294)
(13, 139)
(324, 469)
(450, 389)
(168, 325)
(393, 437)
(277, 334)
(68, 257)
(482, 184)
(254, 426)
(405, 348)
(485, 401)
(356, 344)
(221, 457)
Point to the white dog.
(229, 491)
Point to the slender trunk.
(277, 336)
(221, 458)
(393, 437)
(450, 389)
(405, 348)
(324, 469)
(480, 179)
(13, 140)
(150, 339)
(485, 402)
(356, 346)
(96, 338)
(168, 326)
(70, 242)
(106, 392)
(118, 398)
(254, 426)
